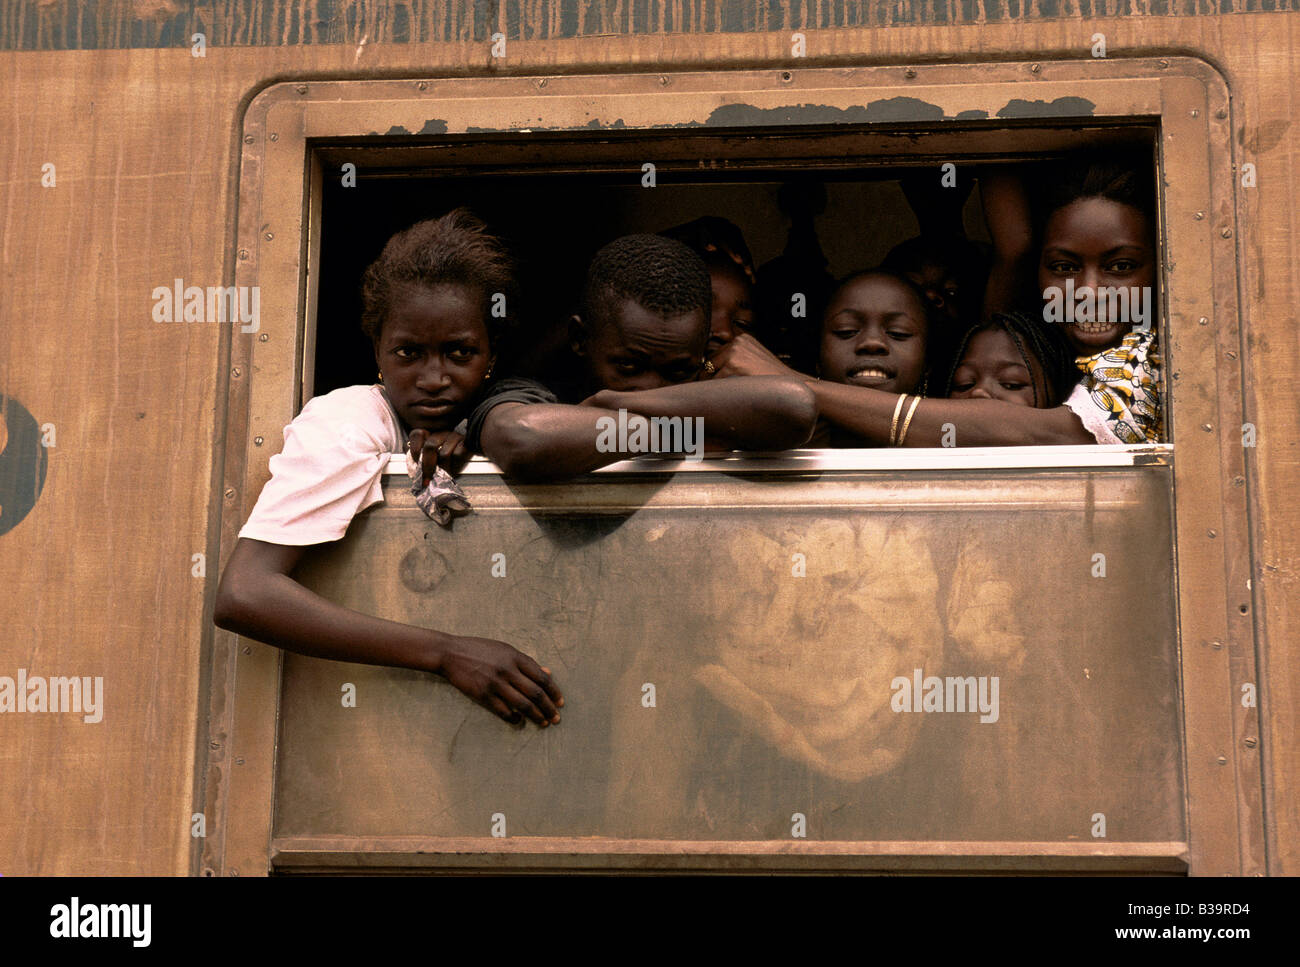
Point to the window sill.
(1084, 456)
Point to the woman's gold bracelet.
(907, 421)
(893, 427)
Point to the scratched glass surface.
(903, 656)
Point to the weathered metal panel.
(733, 647)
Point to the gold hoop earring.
(381, 377)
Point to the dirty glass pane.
(735, 649)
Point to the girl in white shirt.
(426, 309)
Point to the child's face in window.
(1097, 242)
(733, 311)
(941, 287)
(638, 349)
(874, 335)
(434, 353)
(992, 369)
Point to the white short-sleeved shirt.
(1093, 417)
(330, 468)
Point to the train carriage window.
(756, 649)
(808, 212)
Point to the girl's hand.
(746, 356)
(435, 449)
(501, 679)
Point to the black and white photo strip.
(822, 451)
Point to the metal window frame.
(289, 128)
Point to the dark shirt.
(512, 389)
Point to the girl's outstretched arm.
(869, 413)
(258, 598)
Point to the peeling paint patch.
(1061, 107)
(593, 125)
(747, 115)
(434, 126)
(973, 115)
(396, 129)
(904, 109)
(22, 463)
(895, 109)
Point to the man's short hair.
(659, 274)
